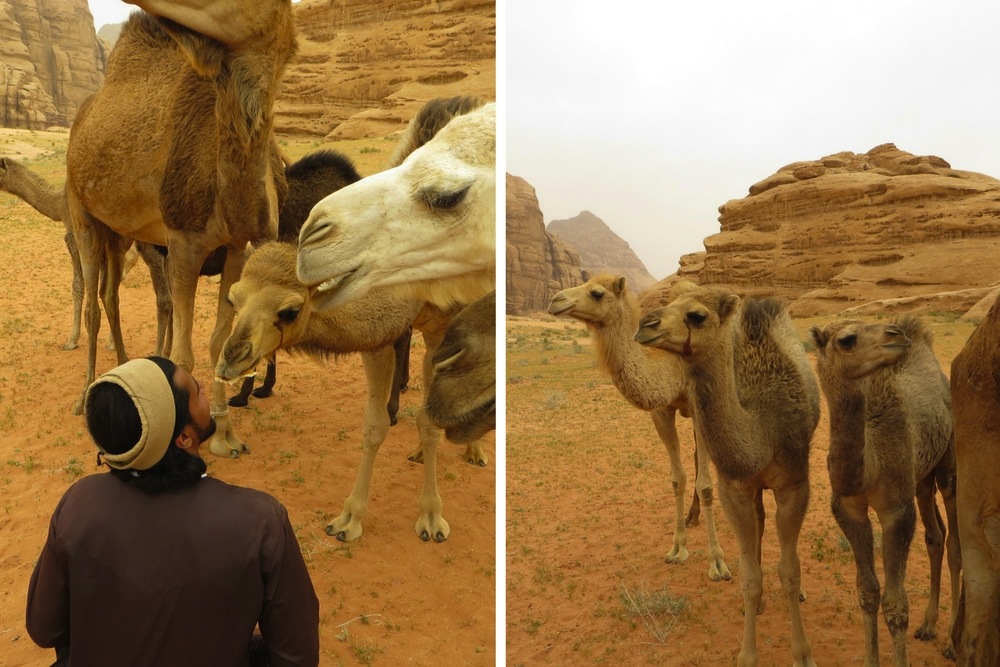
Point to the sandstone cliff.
(365, 67)
(538, 263)
(601, 249)
(886, 228)
(50, 61)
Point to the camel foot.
(392, 420)
(925, 633)
(949, 652)
(802, 595)
(718, 570)
(262, 392)
(677, 555)
(225, 443)
(238, 401)
(78, 406)
(475, 455)
(431, 526)
(345, 528)
(70, 346)
(417, 455)
(692, 519)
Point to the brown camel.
(975, 389)
(177, 149)
(890, 440)
(50, 201)
(275, 312)
(462, 396)
(755, 405)
(653, 381)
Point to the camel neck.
(40, 195)
(846, 460)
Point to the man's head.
(143, 410)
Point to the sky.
(109, 11)
(653, 119)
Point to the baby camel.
(755, 406)
(651, 380)
(975, 387)
(275, 312)
(890, 439)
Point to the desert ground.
(590, 516)
(388, 598)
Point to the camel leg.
(717, 568)
(430, 523)
(156, 263)
(898, 526)
(694, 512)
(111, 279)
(224, 442)
(270, 377)
(945, 475)
(980, 640)
(664, 420)
(934, 540)
(852, 517)
(378, 372)
(74, 255)
(400, 348)
(792, 502)
(90, 243)
(738, 503)
(242, 399)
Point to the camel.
(890, 440)
(462, 395)
(975, 390)
(50, 201)
(653, 381)
(177, 149)
(755, 404)
(275, 312)
(426, 228)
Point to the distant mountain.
(109, 32)
(601, 250)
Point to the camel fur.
(755, 404)
(890, 439)
(975, 389)
(275, 312)
(177, 149)
(653, 381)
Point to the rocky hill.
(601, 249)
(880, 231)
(538, 263)
(50, 61)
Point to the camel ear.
(727, 306)
(619, 285)
(819, 337)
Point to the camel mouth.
(557, 310)
(474, 424)
(227, 373)
(334, 291)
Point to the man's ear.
(187, 438)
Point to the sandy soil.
(387, 598)
(590, 516)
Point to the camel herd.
(899, 435)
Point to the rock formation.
(897, 231)
(601, 249)
(538, 263)
(50, 61)
(365, 67)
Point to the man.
(156, 563)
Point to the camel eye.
(847, 343)
(288, 315)
(446, 200)
(597, 295)
(696, 318)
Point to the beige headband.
(153, 396)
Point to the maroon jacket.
(179, 578)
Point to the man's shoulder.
(241, 494)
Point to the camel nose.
(318, 230)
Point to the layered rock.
(50, 61)
(601, 250)
(906, 231)
(365, 67)
(538, 263)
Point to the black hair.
(113, 422)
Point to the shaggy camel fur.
(426, 228)
(890, 439)
(275, 312)
(462, 396)
(50, 201)
(651, 380)
(975, 388)
(177, 149)
(755, 404)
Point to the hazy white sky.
(652, 119)
(109, 11)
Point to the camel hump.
(324, 160)
(759, 315)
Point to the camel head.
(425, 228)
(593, 302)
(691, 324)
(462, 395)
(272, 309)
(851, 350)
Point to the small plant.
(74, 468)
(342, 434)
(369, 149)
(658, 610)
